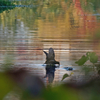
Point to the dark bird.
(50, 55)
(50, 65)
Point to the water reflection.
(26, 32)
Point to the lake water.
(26, 31)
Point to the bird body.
(50, 64)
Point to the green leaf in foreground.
(82, 60)
(5, 85)
(60, 93)
(64, 76)
(93, 57)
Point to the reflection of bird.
(33, 84)
(50, 64)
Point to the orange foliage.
(78, 7)
(75, 23)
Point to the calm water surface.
(25, 35)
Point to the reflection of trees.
(4, 5)
(60, 16)
(90, 5)
(49, 9)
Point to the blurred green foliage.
(6, 5)
(60, 93)
(82, 60)
(97, 35)
(91, 56)
(64, 76)
(90, 5)
(6, 85)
